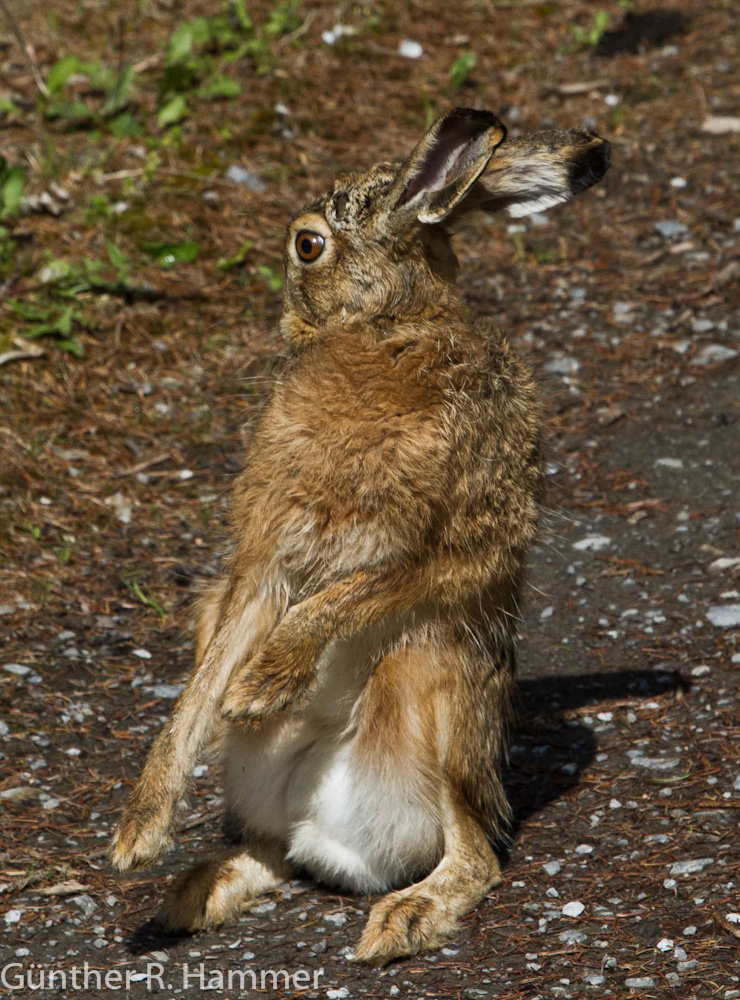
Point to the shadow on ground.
(548, 751)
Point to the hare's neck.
(423, 297)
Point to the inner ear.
(445, 163)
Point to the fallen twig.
(27, 50)
(139, 467)
(574, 89)
(298, 31)
(25, 351)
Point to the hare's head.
(376, 245)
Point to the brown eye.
(309, 245)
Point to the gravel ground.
(622, 873)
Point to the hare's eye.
(309, 245)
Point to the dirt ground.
(141, 280)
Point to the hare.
(359, 652)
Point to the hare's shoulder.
(351, 455)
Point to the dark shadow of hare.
(360, 648)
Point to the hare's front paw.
(404, 923)
(142, 835)
(273, 679)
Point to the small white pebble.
(143, 654)
(725, 616)
(574, 909)
(592, 543)
(266, 907)
(691, 866)
(665, 944)
(678, 182)
(410, 49)
(13, 916)
(19, 669)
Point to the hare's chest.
(355, 458)
(344, 515)
(349, 471)
(313, 540)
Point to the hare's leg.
(425, 915)
(284, 670)
(208, 612)
(212, 892)
(244, 617)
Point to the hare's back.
(496, 451)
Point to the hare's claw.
(273, 679)
(403, 923)
(142, 836)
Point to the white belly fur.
(302, 780)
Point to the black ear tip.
(478, 115)
(589, 164)
(607, 154)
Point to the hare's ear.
(537, 171)
(445, 164)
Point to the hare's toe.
(240, 705)
(404, 923)
(255, 701)
(141, 837)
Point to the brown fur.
(214, 891)
(425, 915)
(392, 484)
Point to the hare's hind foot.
(425, 915)
(404, 923)
(213, 892)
